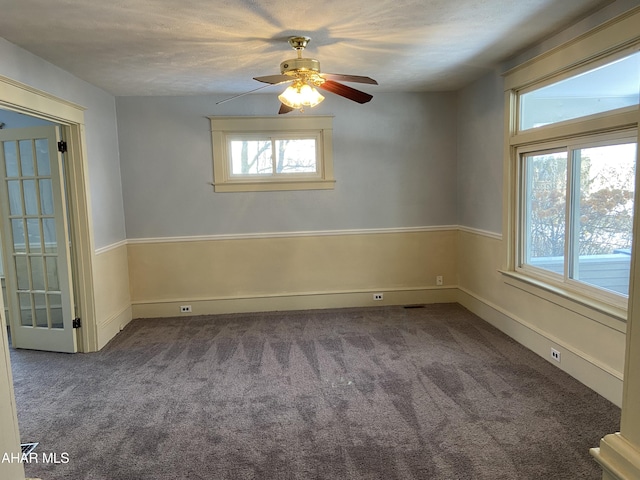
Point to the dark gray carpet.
(381, 393)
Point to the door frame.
(22, 98)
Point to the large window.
(572, 166)
(576, 211)
(272, 153)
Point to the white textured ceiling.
(169, 47)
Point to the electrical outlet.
(185, 309)
(377, 296)
(555, 354)
(439, 280)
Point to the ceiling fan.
(305, 77)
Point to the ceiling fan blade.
(345, 91)
(349, 78)
(285, 109)
(274, 79)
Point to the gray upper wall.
(480, 133)
(100, 129)
(394, 163)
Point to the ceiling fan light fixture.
(298, 96)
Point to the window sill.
(596, 310)
(271, 186)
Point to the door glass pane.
(49, 229)
(37, 273)
(251, 157)
(296, 155)
(15, 197)
(22, 272)
(55, 307)
(17, 228)
(46, 196)
(26, 317)
(26, 158)
(42, 157)
(11, 159)
(30, 197)
(604, 216)
(52, 273)
(33, 231)
(544, 202)
(40, 304)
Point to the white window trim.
(225, 128)
(607, 41)
(563, 281)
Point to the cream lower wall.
(112, 296)
(592, 344)
(292, 272)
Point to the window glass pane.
(17, 229)
(33, 233)
(296, 155)
(26, 158)
(42, 155)
(30, 197)
(26, 316)
(544, 203)
(52, 273)
(37, 273)
(46, 196)
(22, 272)
(11, 159)
(49, 229)
(15, 197)
(55, 309)
(612, 86)
(604, 216)
(40, 304)
(251, 157)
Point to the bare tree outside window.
(256, 157)
(607, 176)
(588, 208)
(605, 210)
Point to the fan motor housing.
(300, 64)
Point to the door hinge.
(62, 146)
(76, 323)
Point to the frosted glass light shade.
(299, 96)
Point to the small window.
(270, 156)
(272, 153)
(609, 87)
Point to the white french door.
(35, 239)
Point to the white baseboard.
(598, 377)
(311, 301)
(110, 327)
